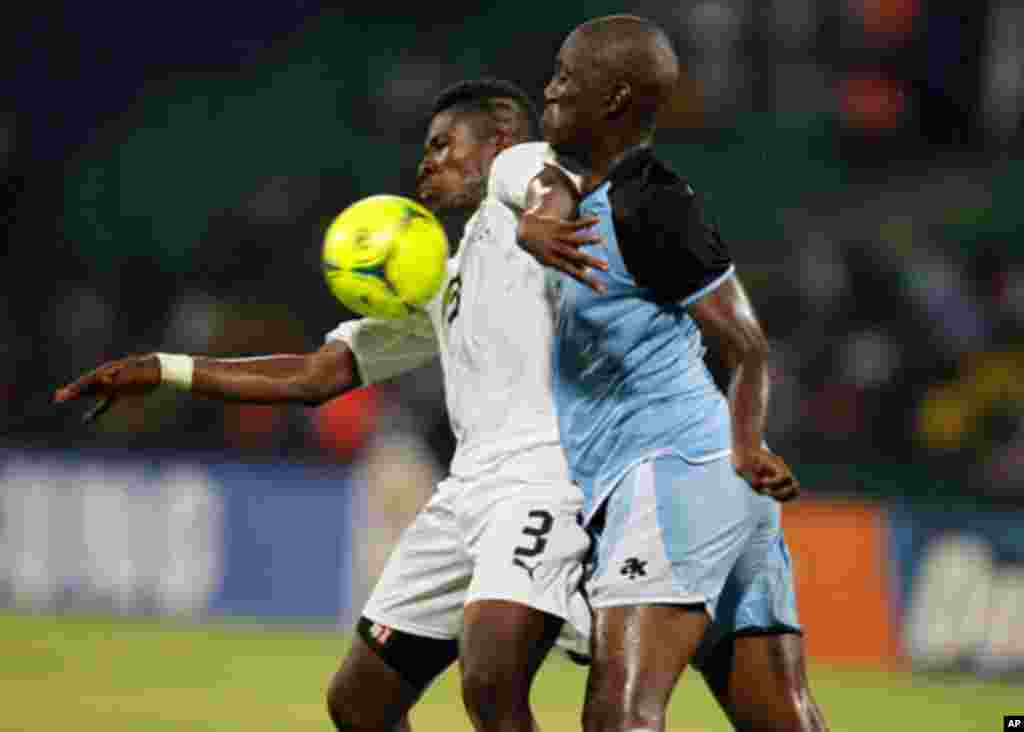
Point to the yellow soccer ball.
(385, 256)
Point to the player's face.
(453, 172)
(571, 98)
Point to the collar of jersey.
(629, 165)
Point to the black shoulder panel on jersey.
(665, 241)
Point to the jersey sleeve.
(386, 348)
(666, 241)
(512, 171)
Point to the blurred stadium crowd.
(168, 191)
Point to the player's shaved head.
(630, 50)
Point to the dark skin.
(503, 643)
(610, 78)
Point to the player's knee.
(595, 716)
(492, 693)
(607, 716)
(620, 723)
(346, 718)
(795, 711)
(799, 713)
(349, 712)
(806, 714)
(340, 708)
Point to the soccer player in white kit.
(491, 566)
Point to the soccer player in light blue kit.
(691, 565)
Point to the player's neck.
(609, 153)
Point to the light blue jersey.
(629, 375)
(646, 430)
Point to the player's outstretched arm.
(311, 378)
(550, 232)
(727, 317)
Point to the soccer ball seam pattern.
(385, 256)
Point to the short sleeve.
(387, 348)
(666, 242)
(512, 171)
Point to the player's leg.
(667, 539)
(378, 683)
(753, 657)
(639, 653)
(503, 645)
(526, 580)
(407, 635)
(760, 680)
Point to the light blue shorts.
(678, 532)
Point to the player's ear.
(506, 123)
(619, 98)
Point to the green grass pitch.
(140, 676)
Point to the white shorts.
(517, 542)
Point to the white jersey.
(492, 324)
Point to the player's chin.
(552, 135)
(559, 144)
(431, 199)
(554, 132)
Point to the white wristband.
(176, 369)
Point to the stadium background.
(167, 173)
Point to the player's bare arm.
(726, 316)
(311, 378)
(551, 233)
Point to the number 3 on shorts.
(546, 520)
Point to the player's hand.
(556, 243)
(767, 473)
(132, 375)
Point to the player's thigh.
(638, 654)
(760, 680)
(407, 635)
(752, 656)
(368, 694)
(422, 589)
(667, 540)
(502, 646)
(529, 551)
(759, 596)
(670, 533)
